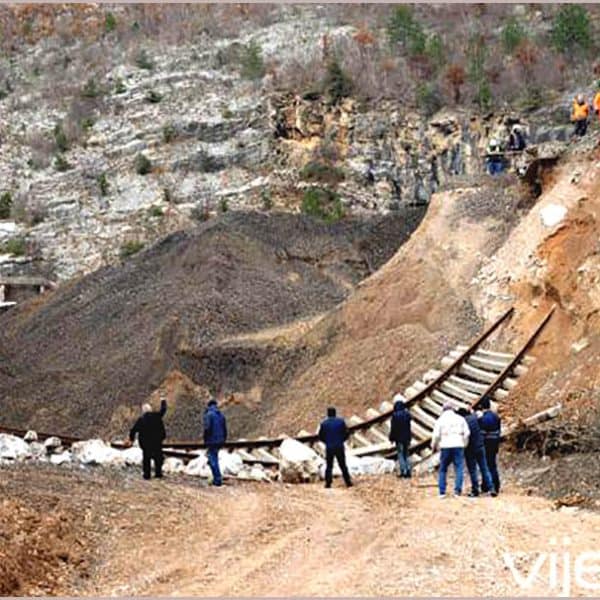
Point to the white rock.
(96, 452)
(30, 436)
(133, 456)
(582, 344)
(552, 214)
(38, 450)
(52, 445)
(13, 447)
(230, 463)
(198, 467)
(61, 458)
(298, 463)
(173, 465)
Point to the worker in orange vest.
(596, 103)
(579, 115)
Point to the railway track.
(467, 374)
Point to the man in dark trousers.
(151, 433)
(489, 423)
(400, 434)
(215, 435)
(475, 455)
(333, 433)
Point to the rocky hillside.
(123, 124)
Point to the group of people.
(151, 433)
(515, 140)
(460, 435)
(580, 112)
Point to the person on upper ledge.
(579, 115)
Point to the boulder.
(198, 467)
(298, 463)
(132, 456)
(30, 436)
(38, 451)
(96, 452)
(552, 214)
(13, 447)
(173, 465)
(53, 445)
(61, 458)
(230, 463)
(366, 465)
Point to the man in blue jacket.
(215, 435)
(475, 455)
(400, 434)
(489, 423)
(333, 433)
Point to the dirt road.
(383, 537)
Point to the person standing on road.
(490, 423)
(475, 455)
(150, 430)
(400, 433)
(333, 433)
(450, 435)
(215, 435)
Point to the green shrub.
(130, 248)
(5, 204)
(476, 56)
(87, 123)
(253, 66)
(483, 96)
(16, 246)
(226, 113)
(143, 61)
(337, 83)
(169, 133)
(143, 166)
(61, 164)
(267, 200)
(155, 211)
(405, 30)
(103, 184)
(60, 138)
(512, 34)
(323, 204)
(435, 51)
(429, 99)
(571, 28)
(223, 205)
(91, 89)
(110, 22)
(321, 172)
(120, 87)
(153, 97)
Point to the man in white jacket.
(450, 436)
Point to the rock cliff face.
(215, 140)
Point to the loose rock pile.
(299, 463)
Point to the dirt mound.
(81, 359)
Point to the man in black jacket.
(400, 433)
(151, 433)
(333, 433)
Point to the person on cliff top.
(490, 424)
(333, 433)
(475, 455)
(151, 433)
(596, 102)
(579, 115)
(400, 434)
(494, 157)
(215, 435)
(450, 436)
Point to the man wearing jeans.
(333, 433)
(489, 423)
(475, 455)
(450, 436)
(215, 435)
(400, 434)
